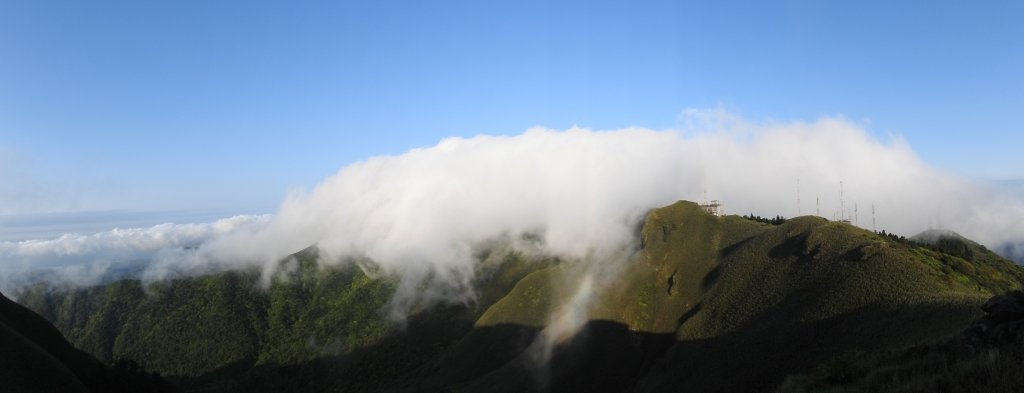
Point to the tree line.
(773, 221)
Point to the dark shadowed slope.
(988, 357)
(36, 358)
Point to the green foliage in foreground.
(191, 326)
(988, 357)
(195, 326)
(946, 367)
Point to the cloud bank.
(422, 213)
(87, 259)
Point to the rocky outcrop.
(1003, 321)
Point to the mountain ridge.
(705, 303)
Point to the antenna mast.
(817, 202)
(856, 214)
(798, 212)
(873, 218)
(842, 205)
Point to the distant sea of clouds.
(41, 226)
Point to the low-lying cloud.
(422, 213)
(80, 259)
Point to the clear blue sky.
(171, 105)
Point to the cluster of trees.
(949, 245)
(773, 221)
(897, 238)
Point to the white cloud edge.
(421, 211)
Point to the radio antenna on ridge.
(798, 212)
(842, 205)
(873, 218)
(712, 207)
(844, 215)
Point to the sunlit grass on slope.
(686, 252)
(761, 291)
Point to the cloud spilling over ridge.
(582, 191)
(420, 214)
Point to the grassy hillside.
(791, 296)
(704, 304)
(745, 302)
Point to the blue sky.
(218, 105)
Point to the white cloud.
(583, 190)
(86, 259)
(420, 214)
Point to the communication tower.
(712, 207)
(873, 218)
(843, 215)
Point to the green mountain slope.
(37, 358)
(744, 303)
(704, 304)
(187, 327)
(226, 332)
